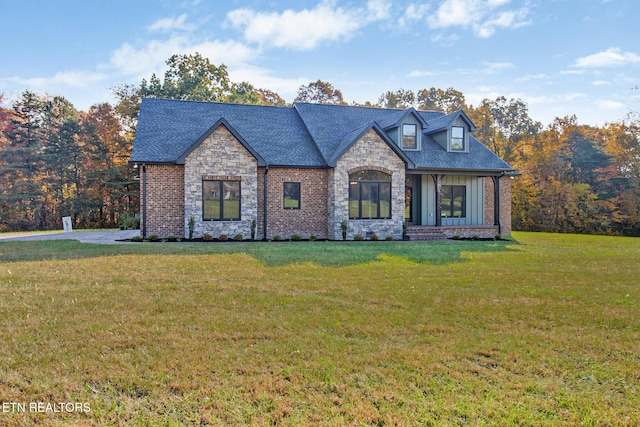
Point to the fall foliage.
(56, 161)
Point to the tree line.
(57, 161)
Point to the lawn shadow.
(325, 253)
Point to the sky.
(561, 57)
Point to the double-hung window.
(409, 137)
(369, 195)
(457, 138)
(220, 200)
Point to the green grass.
(542, 331)
(270, 253)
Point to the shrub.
(313, 237)
(136, 239)
(253, 229)
(172, 239)
(127, 222)
(295, 237)
(154, 238)
(238, 237)
(388, 238)
(222, 237)
(374, 237)
(277, 237)
(456, 237)
(359, 237)
(207, 237)
(343, 227)
(192, 225)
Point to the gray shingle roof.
(306, 135)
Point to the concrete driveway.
(103, 237)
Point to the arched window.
(369, 195)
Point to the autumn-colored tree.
(189, 77)
(399, 99)
(319, 92)
(112, 185)
(447, 101)
(511, 127)
(22, 196)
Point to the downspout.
(144, 201)
(497, 220)
(264, 205)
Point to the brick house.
(307, 168)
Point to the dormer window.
(457, 138)
(409, 137)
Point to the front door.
(408, 205)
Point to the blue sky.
(561, 57)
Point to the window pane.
(369, 199)
(369, 175)
(354, 199)
(457, 138)
(459, 203)
(454, 201)
(231, 201)
(409, 139)
(446, 200)
(385, 199)
(211, 199)
(292, 195)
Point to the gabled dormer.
(451, 131)
(405, 128)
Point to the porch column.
(437, 180)
(496, 202)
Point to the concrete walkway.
(102, 237)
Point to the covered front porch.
(443, 205)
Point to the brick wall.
(310, 219)
(220, 155)
(505, 203)
(370, 152)
(165, 200)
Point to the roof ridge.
(306, 128)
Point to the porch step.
(425, 233)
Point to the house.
(309, 168)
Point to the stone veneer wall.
(165, 200)
(310, 219)
(221, 156)
(505, 203)
(370, 152)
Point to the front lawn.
(541, 331)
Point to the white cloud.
(307, 28)
(412, 14)
(417, 73)
(610, 105)
(150, 58)
(287, 88)
(612, 57)
(601, 83)
(171, 24)
(496, 67)
(378, 10)
(66, 79)
(483, 16)
(529, 77)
